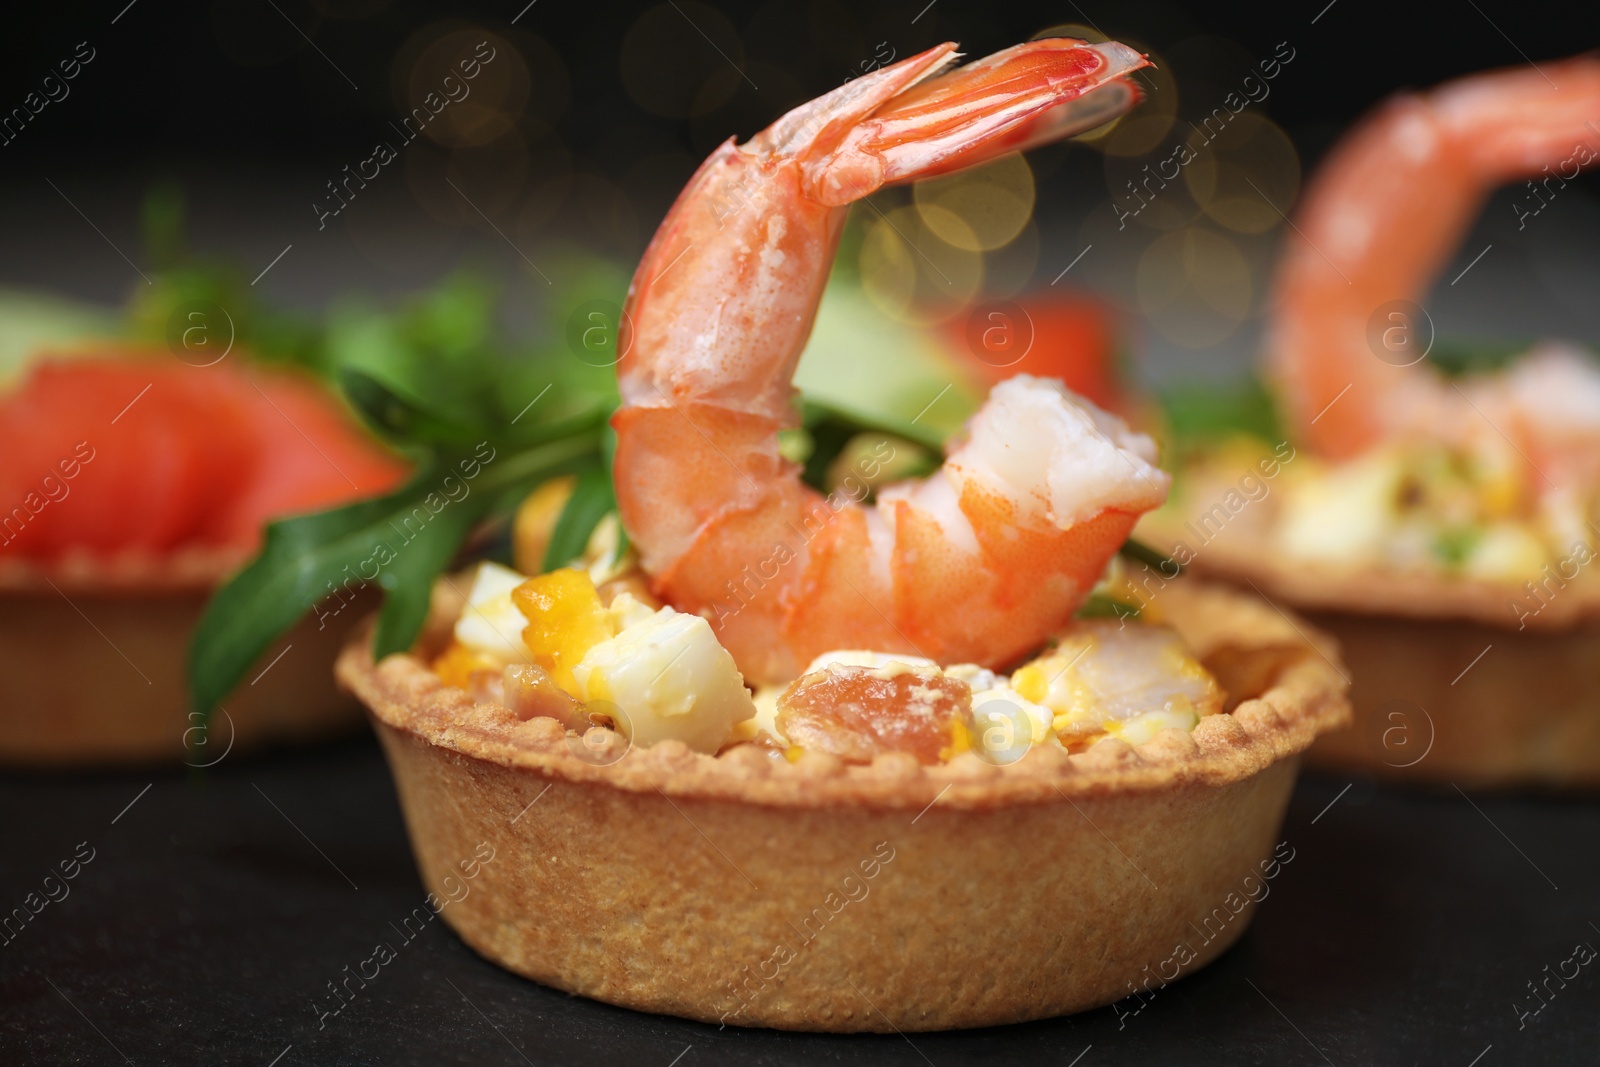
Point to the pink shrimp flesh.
(1378, 223)
(978, 563)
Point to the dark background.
(1405, 933)
(231, 80)
(621, 101)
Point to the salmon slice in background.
(134, 452)
(310, 456)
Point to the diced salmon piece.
(857, 713)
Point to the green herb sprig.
(440, 382)
(484, 421)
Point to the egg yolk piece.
(565, 620)
(858, 712)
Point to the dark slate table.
(217, 905)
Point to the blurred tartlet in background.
(1439, 521)
(137, 485)
(135, 478)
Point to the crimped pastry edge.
(182, 570)
(1306, 699)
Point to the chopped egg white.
(491, 623)
(606, 555)
(1007, 701)
(625, 610)
(1346, 513)
(670, 678)
(979, 678)
(1507, 552)
(1562, 513)
(1104, 676)
(1142, 728)
(766, 717)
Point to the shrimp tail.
(1024, 96)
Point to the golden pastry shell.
(671, 880)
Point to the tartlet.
(92, 659)
(1442, 521)
(1454, 679)
(113, 545)
(812, 895)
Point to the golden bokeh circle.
(548, 185)
(454, 185)
(1136, 135)
(1245, 174)
(1194, 286)
(608, 216)
(1008, 271)
(1075, 30)
(550, 86)
(725, 105)
(1151, 119)
(459, 85)
(991, 203)
(910, 273)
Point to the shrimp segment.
(978, 563)
(1378, 224)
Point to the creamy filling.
(1478, 514)
(548, 646)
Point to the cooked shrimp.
(978, 563)
(1378, 224)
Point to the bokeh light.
(726, 105)
(1135, 134)
(454, 185)
(1149, 190)
(1008, 271)
(1151, 119)
(548, 186)
(1194, 286)
(825, 31)
(910, 273)
(1250, 173)
(992, 204)
(477, 107)
(549, 81)
(608, 216)
(1078, 30)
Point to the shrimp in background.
(1380, 220)
(981, 561)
